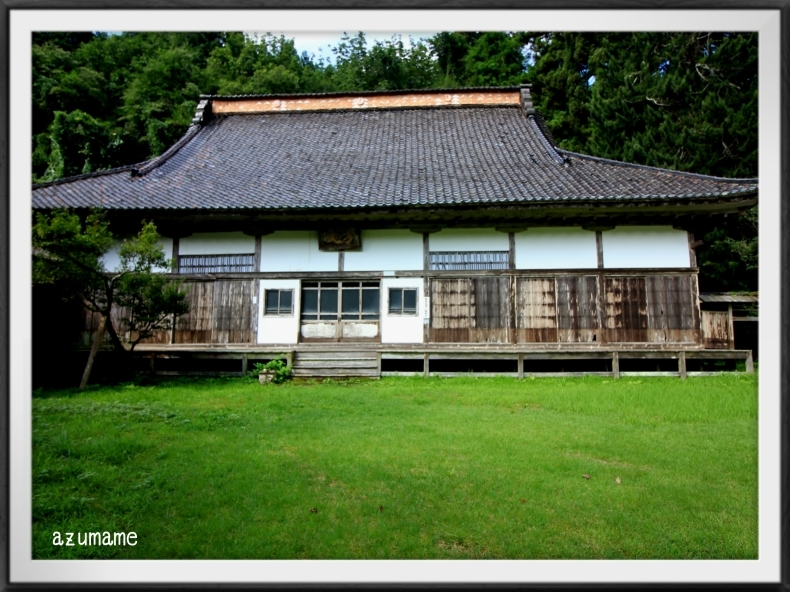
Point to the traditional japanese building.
(414, 225)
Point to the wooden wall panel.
(231, 311)
(490, 318)
(450, 310)
(195, 326)
(626, 310)
(672, 309)
(715, 329)
(577, 309)
(536, 310)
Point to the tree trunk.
(94, 348)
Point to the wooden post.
(289, 358)
(425, 369)
(615, 365)
(682, 365)
(341, 260)
(92, 355)
(521, 366)
(244, 364)
(749, 363)
(511, 241)
(152, 363)
(426, 252)
(176, 249)
(730, 328)
(378, 364)
(599, 247)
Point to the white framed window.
(402, 302)
(278, 303)
(340, 301)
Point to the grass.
(402, 468)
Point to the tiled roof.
(434, 156)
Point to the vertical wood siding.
(536, 310)
(566, 309)
(577, 308)
(715, 329)
(450, 310)
(626, 310)
(490, 316)
(219, 312)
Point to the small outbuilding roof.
(729, 298)
(374, 150)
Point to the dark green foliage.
(68, 254)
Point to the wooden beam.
(257, 260)
(176, 248)
(426, 251)
(511, 241)
(599, 247)
(692, 249)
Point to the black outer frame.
(5, 338)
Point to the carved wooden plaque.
(339, 240)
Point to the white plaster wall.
(217, 243)
(295, 251)
(386, 250)
(112, 260)
(398, 328)
(645, 246)
(556, 248)
(278, 329)
(468, 239)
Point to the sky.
(319, 44)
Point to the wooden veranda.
(519, 361)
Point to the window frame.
(403, 290)
(232, 263)
(279, 312)
(340, 286)
(468, 260)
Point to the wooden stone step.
(349, 363)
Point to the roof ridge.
(90, 175)
(150, 165)
(547, 144)
(404, 91)
(742, 180)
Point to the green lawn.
(402, 468)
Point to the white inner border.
(24, 570)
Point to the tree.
(69, 253)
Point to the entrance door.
(340, 311)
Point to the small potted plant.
(274, 371)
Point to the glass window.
(356, 301)
(403, 301)
(278, 302)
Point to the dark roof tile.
(399, 157)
